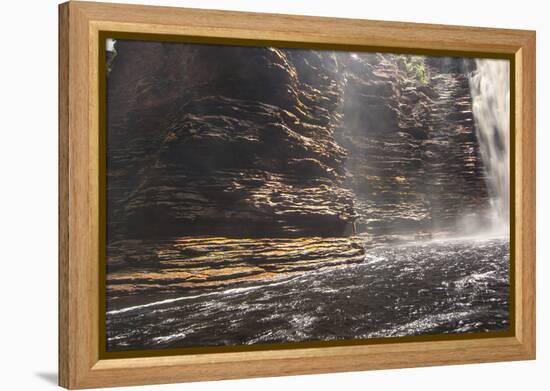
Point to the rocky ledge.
(171, 266)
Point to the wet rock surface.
(178, 265)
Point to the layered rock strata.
(305, 146)
(413, 159)
(224, 140)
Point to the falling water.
(490, 91)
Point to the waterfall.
(490, 90)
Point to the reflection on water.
(385, 290)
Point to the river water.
(416, 288)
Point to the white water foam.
(178, 299)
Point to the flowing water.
(490, 90)
(418, 288)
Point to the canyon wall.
(265, 142)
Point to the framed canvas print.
(251, 195)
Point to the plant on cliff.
(415, 66)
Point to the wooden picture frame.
(80, 27)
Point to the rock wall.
(413, 159)
(223, 140)
(246, 142)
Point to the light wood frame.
(80, 23)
